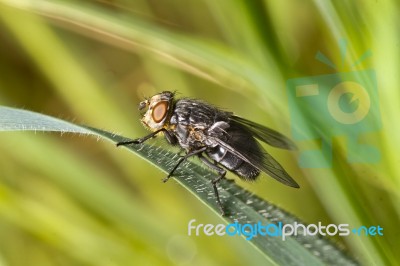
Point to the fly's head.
(156, 110)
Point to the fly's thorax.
(159, 109)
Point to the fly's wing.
(265, 163)
(265, 134)
(241, 143)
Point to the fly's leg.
(168, 136)
(140, 140)
(182, 159)
(222, 173)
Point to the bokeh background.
(71, 200)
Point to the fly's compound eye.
(159, 111)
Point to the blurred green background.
(69, 200)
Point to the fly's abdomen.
(233, 163)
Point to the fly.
(220, 139)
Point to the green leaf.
(240, 205)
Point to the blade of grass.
(26, 27)
(209, 60)
(61, 232)
(342, 24)
(90, 186)
(240, 205)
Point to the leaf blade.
(240, 204)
